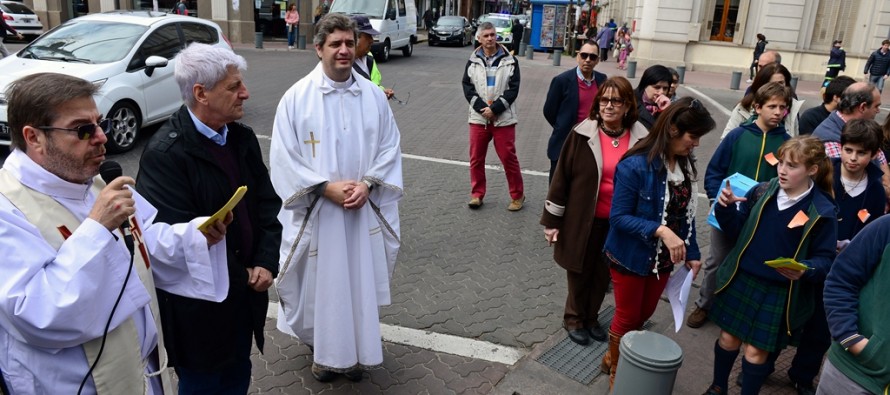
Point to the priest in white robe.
(336, 164)
(65, 260)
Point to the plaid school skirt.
(754, 311)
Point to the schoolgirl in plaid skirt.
(792, 216)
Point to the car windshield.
(450, 21)
(373, 9)
(499, 23)
(16, 8)
(86, 42)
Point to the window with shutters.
(835, 20)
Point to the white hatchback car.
(21, 18)
(130, 54)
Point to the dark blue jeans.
(233, 379)
(291, 35)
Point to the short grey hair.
(484, 26)
(331, 22)
(206, 65)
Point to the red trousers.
(504, 144)
(635, 300)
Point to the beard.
(67, 166)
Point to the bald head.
(861, 100)
(769, 57)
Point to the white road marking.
(438, 342)
(708, 99)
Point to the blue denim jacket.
(637, 209)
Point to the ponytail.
(809, 151)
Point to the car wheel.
(384, 56)
(408, 49)
(430, 42)
(125, 127)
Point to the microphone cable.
(108, 325)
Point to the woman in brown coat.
(576, 213)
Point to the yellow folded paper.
(787, 263)
(230, 205)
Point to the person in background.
(364, 63)
(605, 37)
(491, 86)
(837, 62)
(652, 92)
(182, 8)
(625, 46)
(759, 48)
(675, 83)
(831, 96)
(518, 31)
(743, 112)
(577, 229)
(4, 28)
(652, 218)
(877, 67)
(292, 21)
(570, 98)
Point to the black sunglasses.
(585, 55)
(85, 131)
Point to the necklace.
(614, 134)
(849, 187)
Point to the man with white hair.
(191, 167)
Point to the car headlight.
(99, 83)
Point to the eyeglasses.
(584, 55)
(695, 104)
(85, 131)
(401, 102)
(616, 101)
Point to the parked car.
(21, 18)
(503, 26)
(130, 54)
(451, 30)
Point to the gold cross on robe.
(312, 141)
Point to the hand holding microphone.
(115, 204)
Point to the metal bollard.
(681, 70)
(557, 55)
(793, 82)
(258, 39)
(522, 48)
(301, 42)
(736, 80)
(648, 364)
(631, 69)
(530, 53)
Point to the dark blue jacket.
(637, 209)
(561, 107)
(830, 129)
(837, 58)
(875, 197)
(878, 63)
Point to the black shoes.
(804, 389)
(580, 335)
(714, 390)
(597, 333)
(354, 375)
(323, 375)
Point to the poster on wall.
(553, 26)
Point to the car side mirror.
(153, 62)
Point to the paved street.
(485, 277)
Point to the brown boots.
(610, 360)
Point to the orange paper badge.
(771, 159)
(863, 215)
(799, 220)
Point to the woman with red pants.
(652, 220)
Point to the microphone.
(109, 170)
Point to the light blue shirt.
(217, 137)
(581, 77)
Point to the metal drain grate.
(581, 363)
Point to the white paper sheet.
(677, 291)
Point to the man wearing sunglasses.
(570, 98)
(78, 308)
(191, 167)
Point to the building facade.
(719, 35)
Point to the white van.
(396, 20)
